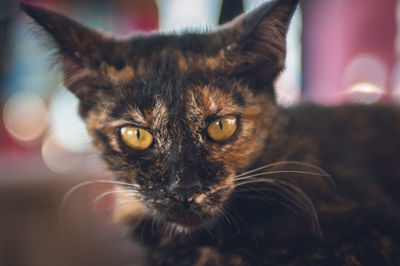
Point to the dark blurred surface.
(30, 232)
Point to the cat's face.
(181, 159)
(177, 116)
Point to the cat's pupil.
(138, 133)
(220, 125)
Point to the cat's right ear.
(255, 43)
(78, 47)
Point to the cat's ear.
(80, 49)
(256, 41)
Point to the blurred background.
(339, 51)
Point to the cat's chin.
(186, 228)
(187, 223)
(181, 229)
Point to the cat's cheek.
(238, 155)
(221, 192)
(128, 209)
(251, 143)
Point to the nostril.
(184, 194)
(184, 186)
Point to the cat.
(213, 171)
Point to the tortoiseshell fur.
(188, 206)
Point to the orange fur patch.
(124, 75)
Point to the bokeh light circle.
(58, 159)
(365, 92)
(365, 79)
(25, 116)
(288, 91)
(68, 128)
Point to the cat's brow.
(159, 115)
(212, 103)
(155, 118)
(121, 122)
(138, 116)
(227, 110)
(133, 116)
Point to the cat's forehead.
(180, 54)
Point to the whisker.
(221, 211)
(208, 232)
(139, 220)
(327, 177)
(261, 174)
(248, 178)
(304, 198)
(284, 163)
(286, 197)
(107, 193)
(269, 197)
(75, 188)
(231, 215)
(118, 205)
(110, 219)
(261, 180)
(279, 172)
(293, 195)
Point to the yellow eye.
(136, 138)
(223, 128)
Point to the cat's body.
(216, 173)
(360, 224)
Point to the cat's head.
(177, 116)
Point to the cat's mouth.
(187, 221)
(197, 211)
(188, 217)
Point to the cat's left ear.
(82, 51)
(256, 42)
